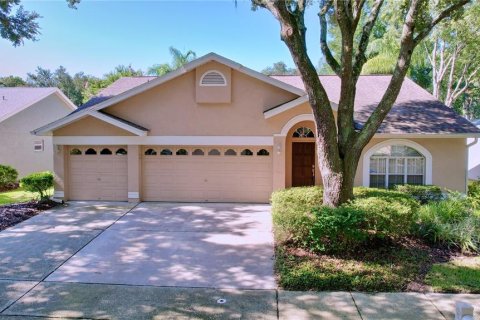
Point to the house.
(215, 130)
(474, 156)
(23, 109)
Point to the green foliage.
(375, 270)
(178, 59)
(279, 68)
(336, 229)
(8, 176)
(474, 192)
(17, 26)
(292, 212)
(39, 182)
(424, 194)
(374, 213)
(452, 222)
(12, 81)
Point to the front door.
(303, 164)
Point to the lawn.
(16, 196)
(461, 275)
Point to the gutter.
(469, 145)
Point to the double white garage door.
(216, 174)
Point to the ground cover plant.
(382, 240)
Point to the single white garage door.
(227, 174)
(97, 173)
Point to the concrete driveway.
(158, 244)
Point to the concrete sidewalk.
(54, 300)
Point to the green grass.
(459, 276)
(16, 196)
(383, 269)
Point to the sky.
(100, 35)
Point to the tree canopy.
(178, 59)
(279, 68)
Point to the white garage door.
(227, 174)
(97, 173)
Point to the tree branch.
(443, 15)
(325, 5)
(360, 57)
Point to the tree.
(454, 56)
(12, 81)
(178, 59)
(279, 68)
(20, 25)
(72, 87)
(339, 149)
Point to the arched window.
(106, 151)
(121, 152)
(198, 152)
(214, 152)
(150, 152)
(91, 151)
(247, 152)
(213, 78)
(230, 152)
(166, 152)
(396, 164)
(303, 132)
(75, 152)
(263, 152)
(181, 152)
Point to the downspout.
(469, 145)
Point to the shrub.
(452, 222)
(38, 182)
(424, 194)
(474, 191)
(390, 215)
(8, 176)
(336, 229)
(292, 212)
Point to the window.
(106, 151)
(230, 152)
(263, 152)
(247, 152)
(181, 152)
(303, 132)
(396, 164)
(214, 152)
(166, 152)
(91, 151)
(121, 152)
(75, 152)
(198, 152)
(213, 78)
(38, 146)
(150, 152)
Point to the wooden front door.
(303, 164)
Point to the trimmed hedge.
(38, 182)
(8, 176)
(424, 194)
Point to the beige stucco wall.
(213, 94)
(16, 142)
(449, 156)
(171, 109)
(90, 126)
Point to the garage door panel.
(207, 178)
(98, 177)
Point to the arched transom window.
(303, 132)
(213, 78)
(396, 164)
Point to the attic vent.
(213, 79)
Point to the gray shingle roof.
(14, 100)
(415, 111)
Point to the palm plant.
(178, 59)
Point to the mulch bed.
(13, 214)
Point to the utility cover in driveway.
(184, 245)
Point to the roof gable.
(16, 99)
